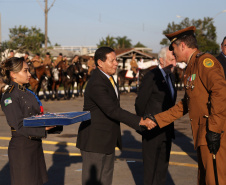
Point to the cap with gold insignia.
(178, 34)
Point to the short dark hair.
(223, 41)
(101, 53)
(189, 40)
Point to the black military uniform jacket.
(222, 59)
(18, 103)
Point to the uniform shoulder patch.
(8, 101)
(208, 63)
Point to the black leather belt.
(13, 129)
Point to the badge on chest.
(190, 82)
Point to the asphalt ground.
(64, 162)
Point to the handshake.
(148, 121)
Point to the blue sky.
(85, 22)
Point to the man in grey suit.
(222, 56)
(157, 94)
(98, 137)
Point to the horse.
(81, 78)
(122, 79)
(179, 77)
(3, 87)
(42, 73)
(59, 75)
(69, 81)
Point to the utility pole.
(46, 10)
(46, 23)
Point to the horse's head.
(31, 67)
(47, 71)
(55, 73)
(62, 67)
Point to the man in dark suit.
(98, 137)
(222, 56)
(157, 94)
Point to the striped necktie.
(112, 81)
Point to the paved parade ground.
(64, 162)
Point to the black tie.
(168, 81)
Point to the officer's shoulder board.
(200, 54)
(9, 88)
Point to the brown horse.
(42, 72)
(81, 79)
(179, 77)
(59, 75)
(69, 81)
(122, 79)
(2, 87)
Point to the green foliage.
(3, 47)
(205, 33)
(139, 45)
(108, 41)
(118, 42)
(23, 38)
(123, 42)
(57, 44)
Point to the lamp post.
(223, 11)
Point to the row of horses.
(50, 79)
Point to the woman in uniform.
(26, 158)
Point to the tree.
(3, 47)
(205, 33)
(23, 38)
(108, 41)
(123, 42)
(139, 45)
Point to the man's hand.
(213, 141)
(148, 123)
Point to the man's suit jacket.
(102, 133)
(222, 59)
(154, 96)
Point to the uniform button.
(22, 97)
(30, 113)
(190, 119)
(28, 107)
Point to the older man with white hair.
(156, 94)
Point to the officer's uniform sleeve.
(14, 116)
(212, 76)
(177, 111)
